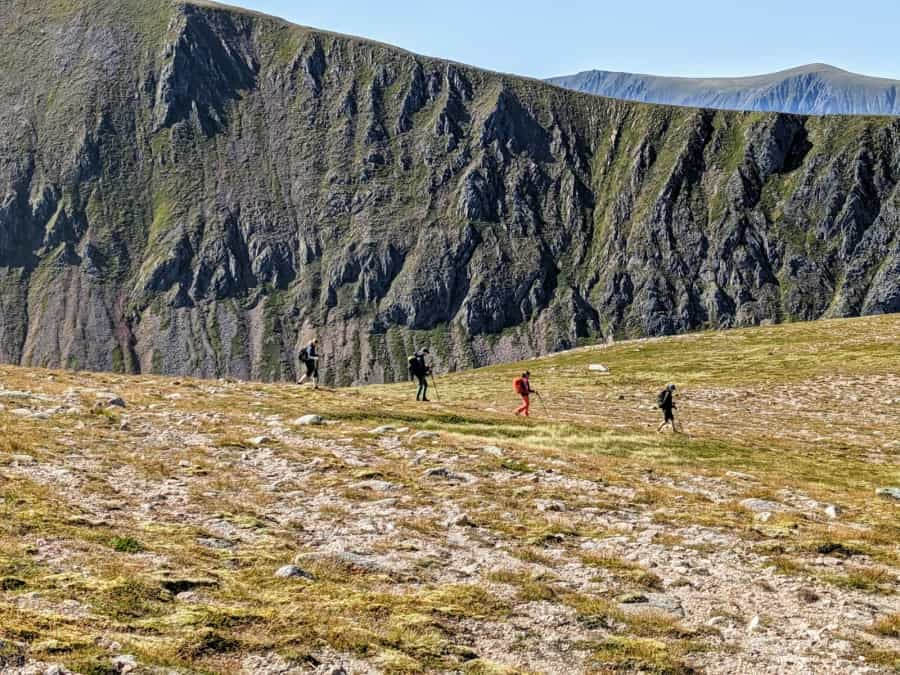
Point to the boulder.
(293, 572)
(633, 603)
(309, 420)
(888, 492)
(762, 506)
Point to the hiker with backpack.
(309, 356)
(665, 401)
(419, 368)
(522, 386)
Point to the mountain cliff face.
(187, 189)
(817, 89)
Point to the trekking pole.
(437, 396)
(544, 405)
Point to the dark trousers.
(423, 388)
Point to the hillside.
(456, 537)
(816, 89)
(192, 190)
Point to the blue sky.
(690, 37)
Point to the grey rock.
(309, 420)
(763, 506)
(425, 436)
(493, 450)
(213, 542)
(23, 460)
(888, 492)
(550, 505)
(385, 429)
(652, 602)
(293, 572)
(375, 485)
(124, 663)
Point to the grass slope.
(155, 530)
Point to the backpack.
(415, 366)
(304, 354)
(662, 398)
(520, 386)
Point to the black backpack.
(662, 398)
(304, 354)
(416, 365)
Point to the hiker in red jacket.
(522, 385)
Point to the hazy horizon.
(655, 38)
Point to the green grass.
(806, 436)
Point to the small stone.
(309, 421)
(761, 505)
(375, 485)
(550, 506)
(654, 602)
(259, 441)
(124, 663)
(23, 460)
(425, 436)
(293, 572)
(763, 517)
(440, 472)
(462, 520)
(753, 625)
(21, 412)
(116, 402)
(493, 450)
(598, 368)
(386, 429)
(889, 492)
(833, 511)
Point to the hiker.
(666, 402)
(419, 368)
(522, 385)
(309, 356)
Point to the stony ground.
(156, 525)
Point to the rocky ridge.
(189, 189)
(815, 89)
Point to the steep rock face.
(189, 189)
(816, 89)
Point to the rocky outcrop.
(190, 189)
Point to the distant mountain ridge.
(816, 89)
